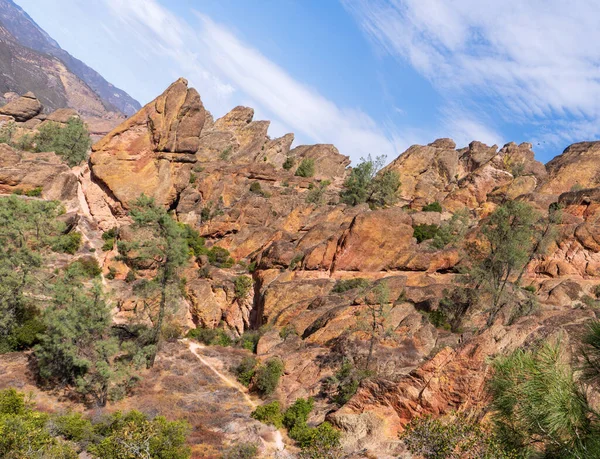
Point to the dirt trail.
(195, 348)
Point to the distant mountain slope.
(27, 33)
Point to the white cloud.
(529, 60)
(217, 62)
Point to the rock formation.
(226, 179)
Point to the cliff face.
(226, 178)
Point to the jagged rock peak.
(153, 151)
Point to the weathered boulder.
(24, 108)
(24, 171)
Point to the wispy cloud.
(215, 60)
(534, 60)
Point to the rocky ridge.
(226, 178)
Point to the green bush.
(269, 413)
(249, 340)
(368, 183)
(67, 243)
(425, 232)
(12, 402)
(245, 370)
(219, 257)
(597, 291)
(226, 153)
(456, 438)
(72, 141)
(438, 319)
(256, 188)
(27, 433)
(306, 168)
(453, 231)
(109, 237)
(268, 375)
(35, 192)
(87, 267)
(26, 335)
(433, 207)
(130, 277)
(530, 288)
(74, 427)
(296, 261)
(288, 330)
(242, 286)
(344, 285)
(297, 414)
(134, 431)
(288, 163)
(210, 337)
(316, 193)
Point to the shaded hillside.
(28, 74)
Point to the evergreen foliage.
(306, 168)
(160, 241)
(71, 142)
(368, 183)
(268, 375)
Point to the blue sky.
(370, 76)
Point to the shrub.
(268, 375)
(219, 257)
(457, 438)
(242, 286)
(74, 427)
(256, 188)
(130, 277)
(112, 273)
(368, 183)
(316, 193)
(344, 384)
(241, 451)
(269, 413)
(245, 370)
(452, 231)
(193, 178)
(249, 340)
(344, 285)
(133, 431)
(433, 207)
(226, 153)
(12, 402)
(425, 232)
(306, 168)
(67, 243)
(72, 141)
(26, 335)
(170, 331)
(288, 330)
(295, 261)
(109, 237)
(597, 291)
(210, 337)
(288, 163)
(87, 267)
(297, 414)
(438, 319)
(35, 192)
(529, 288)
